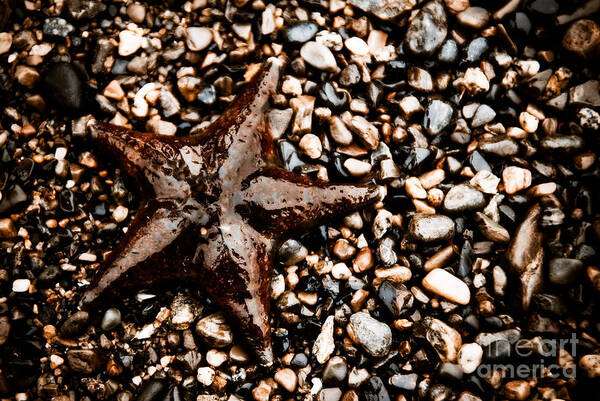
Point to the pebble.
(279, 120)
(437, 117)
(357, 46)
(111, 319)
(85, 361)
(57, 27)
(395, 296)
(384, 9)
(381, 223)
(483, 115)
(591, 365)
(324, 345)
(431, 227)
(469, 357)
(137, 12)
(525, 256)
(485, 181)
(76, 324)
(515, 179)
(357, 168)
(463, 198)
(448, 286)
(198, 38)
(444, 339)
(427, 30)
(564, 271)
(582, 39)
(500, 145)
(474, 17)
(214, 330)
(300, 32)
(6, 40)
(303, 107)
(516, 390)
(474, 81)
(63, 83)
(311, 145)
(366, 132)
(183, 312)
(448, 52)
(287, 379)
(586, 94)
(151, 390)
(419, 79)
(374, 336)
(21, 285)
(319, 56)
(216, 357)
(490, 229)
(27, 76)
(336, 371)
(405, 381)
(129, 42)
(7, 229)
(339, 132)
(330, 394)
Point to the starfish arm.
(277, 201)
(153, 249)
(237, 267)
(240, 137)
(155, 160)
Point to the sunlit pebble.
(120, 213)
(60, 153)
(87, 257)
(21, 285)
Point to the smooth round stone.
(483, 115)
(75, 324)
(300, 32)
(476, 48)
(335, 371)
(198, 38)
(474, 17)
(448, 286)
(319, 56)
(469, 357)
(374, 336)
(431, 227)
(437, 117)
(395, 296)
(405, 382)
(111, 319)
(564, 271)
(500, 145)
(335, 100)
(427, 31)
(64, 85)
(463, 198)
(449, 52)
(215, 331)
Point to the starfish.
(217, 205)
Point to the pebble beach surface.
(478, 120)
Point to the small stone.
(216, 357)
(330, 394)
(427, 30)
(303, 109)
(63, 83)
(469, 357)
(27, 76)
(339, 132)
(287, 379)
(591, 365)
(129, 42)
(395, 296)
(366, 132)
(405, 381)
(443, 338)
(300, 32)
(357, 46)
(7, 229)
(474, 17)
(449, 52)
(357, 168)
(113, 90)
(198, 38)
(279, 120)
(438, 117)
(564, 271)
(586, 94)
(589, 118)
(448, 286)
(515, 179)
(161, 127)
(324, 344)
(483, 115)
(120, 213)
(111, 319)
(6, 39)
(57, 27)
(463, 198)
(474, 81)
(374, 336)
(76, 324)
(431, 227)
(137, 12)
(583, 39)
(85, 361)
(485, 181)
(409, 106)
(350, 75)
(490, 229)
(384, 9)
(319, 56)
(311, 145)
(414, 189)
(420, 79)
(183, 312)
(381, 223)
(21, 285)
(205, 376)
(528, 122)
(214, 330)
(516, 390)
(336, 370)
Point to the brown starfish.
(218, 205)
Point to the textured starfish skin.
(217, 205)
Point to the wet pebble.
(427, 31)
(431, 227)
(374, 336)
(463, 198)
